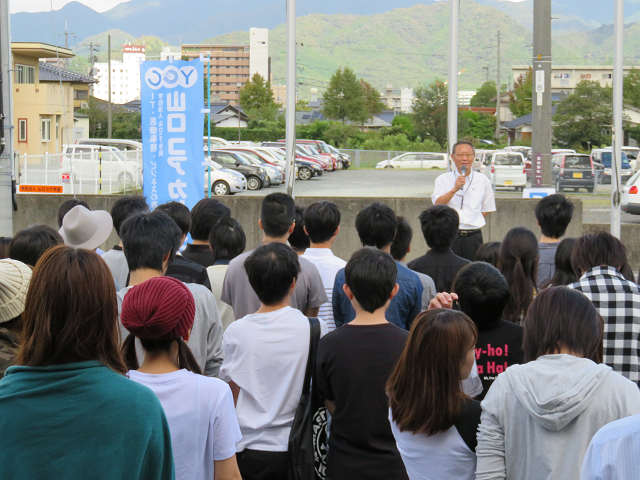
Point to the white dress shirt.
(471, 201)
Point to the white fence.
(85, 171)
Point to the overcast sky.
(45, 5)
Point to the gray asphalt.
(419, 183)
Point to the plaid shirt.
(618, 302)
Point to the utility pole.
(541, 93)
(6, 121)
(109, 112)
(291, 96)
(452, 102)
(498, 90)
(618, 133)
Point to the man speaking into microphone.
(470, 194)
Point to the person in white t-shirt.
(435, 433)
(265, 357)
(200, 411)
(470, 194)
(322, 224)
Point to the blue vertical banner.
(171, 95)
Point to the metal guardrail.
(369, 158)
(96, 172)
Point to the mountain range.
(406, 46)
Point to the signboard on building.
(172, 121)
(41, 189)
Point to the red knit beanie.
(161, 307)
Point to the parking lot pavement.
(419, 183)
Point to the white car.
(223, 180)
(506, 169)
(416, 160)
(99, 163)
(631, 195)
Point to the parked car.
(632, 155)
(573, 170)
(416, 160)
(506, 169)
(322, 149)
(95, 163)
(344, 157)
(603, 156)
(631, 195)
(479, 160)
(256, 176)
(275, 173)
(224, 181)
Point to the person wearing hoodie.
(538, 418)
(66, 408)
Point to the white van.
(103, 166)
(506, 169)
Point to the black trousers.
(466, 244)
(261, 465)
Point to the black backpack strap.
(468, 421)
(314, 338)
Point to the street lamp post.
(618, 135)
(291, 95)
(452, 103)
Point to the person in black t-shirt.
(482, 294)
(433, 421)
(180, 267)
(204, 215)
(352, 367)
(440, 227)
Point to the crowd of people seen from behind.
(178, 352)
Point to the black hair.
(554, 213)
(321, 219)
(5, 242)
(518, 262)
(596, 250)
(186, 359)
(147, 238)
(179, 213)
(271, 270)
(68, 205)
(371, 275)
(125, 207)
(488, 252)
(376, 225)
(277, 214)
(564, 273)
(29, 244)
(482, 293)
(298, 239)
(227, 239)
(439, 226)
(204, 215)
(461, 142)
(402, 240)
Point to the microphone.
(463, 170)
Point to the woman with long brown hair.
(518, 262)
(434, 423)
(66, 408)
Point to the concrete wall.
(33, 209)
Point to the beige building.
(44, 99)
(279, 94)
(565, 78)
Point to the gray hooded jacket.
(538, 418)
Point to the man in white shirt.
(470, 194)
(322, 224)
(265, 358)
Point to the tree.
(256, 99)
(584, 117)
(632, 88)
(520, 96)
(344, 98)
(372, 99)
(476, 125)
(404, 124)
(430, 112)
(485, 96)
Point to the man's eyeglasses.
(464, 155)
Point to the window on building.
(45, 129)
(57, 127)
(25, 74)
(22, 130)
(80, 94)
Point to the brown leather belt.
(467, 233)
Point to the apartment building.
(44, 99)
(565, 78)
(231, 66)
(125, 76)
